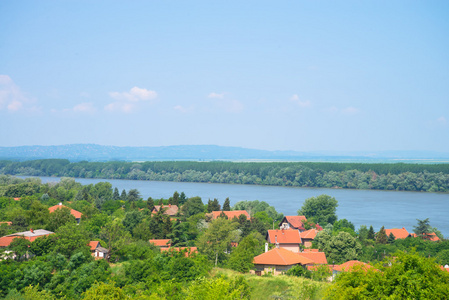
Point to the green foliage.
(192, 207)
(299, 271)
(241, 258)
(72, 238)
(20, 247)
(339, 248)
(218, 288)
(321, 209)
(381, 236)
(227, 205)
(60, 217)
(403, 276)
(104, 291)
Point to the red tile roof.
(309, 234)
(311, 250)
(29, 235)
(318, 258)
(428, 236)
(399, 233)
(161, 242)
(444, 269)
(230, 214)
(170, 210)
(74, 213)
(281, 257)
(93, 245)
(6, 240)
(283, 236)
(188, 250)
(349, 265)
(295, 221)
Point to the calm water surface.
(361, 207)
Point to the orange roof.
(347, 266)
(444, 269)
(315, 267)
(7, 223)
(161, 242)
(295, 221)
(318, 258)
(281, 257)
(188, 250)
(6, 240)
(309, 234)
(311, 250)
(74, 213)
(17, 199)
(428, 236)
(230, 214)
(400, 233)
(93, 245)
(283, 236)
(170, 210)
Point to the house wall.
(290, 247)
(307, 243)
(271, 269)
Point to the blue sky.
(274, 75)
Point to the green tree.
(339, 248)
(192, 207)
(116, 194)
(72, 238)
(182, 198)
(216, 240)
(116, 236)
(321, 209)
(133, 195)
(60, 217)
(20, 247)
(132, 219)
(150, 204)
(175, 200)
(213, 205)
(241, 258)
(391, 238)
(104, 291)
(381, 236)
(227, 205)
(371, 234)
(422, 229)
(123, 195)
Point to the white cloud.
(350, 110)
(442, 120)
(11, 97)
(126, 101)
(86, 107)
(183, 109)
(295, 99)
(134, 95)
(216, 95)
(232, 106)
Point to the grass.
(278, 287)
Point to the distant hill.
(93, 152)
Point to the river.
(362, 207)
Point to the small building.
(97, 251)
(286, 239)
(349, 266)
(229, 214)
(308, 236)
(399, 233)
(293, 222)
(318, 258)
(278, 261)
(170, 209)
(161, 243)
(74, 213)
(30, 235)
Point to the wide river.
(361, 207)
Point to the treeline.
(387, 176)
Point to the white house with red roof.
(97, 251)
(288, 239)
(308, 236)
(293, 222)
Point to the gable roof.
(428, 236)
(349, 265)
(30, 235)
(318, 258)
(283, 236)
(74, 213)
(281, 257)
(308, 234)
(161, 242)
(295, 221)
(230, 214)
(170, 209)
(94, 244)
(399, 233)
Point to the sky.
(272, 75)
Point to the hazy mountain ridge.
(93, 152)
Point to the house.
(318, 258)
(293, 222)
(287, 239)
(30, 235)
(349, 266)
(308, 236)
(428, 236)
(278, 261)
(97, 251)
(74, 213)
(230, 214)
(399, 233)
(187, 250)
(170, 209)
(161, 243)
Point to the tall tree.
(422, 229)
(150, 204)
(371, 235)
(227, 205)
(133, 195)
(321, 209)
(182, 198)
(116, 195)
(123, 196)
(175, 198)
(381, 236)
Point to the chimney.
(31, 229)
(266, 247)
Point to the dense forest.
(61, 265)
(379, 176)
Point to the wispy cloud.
(126, 101)
(441, 120)
(302, 103)
(87, 107)
(183, 109)
(216, 95)
(11, 97)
